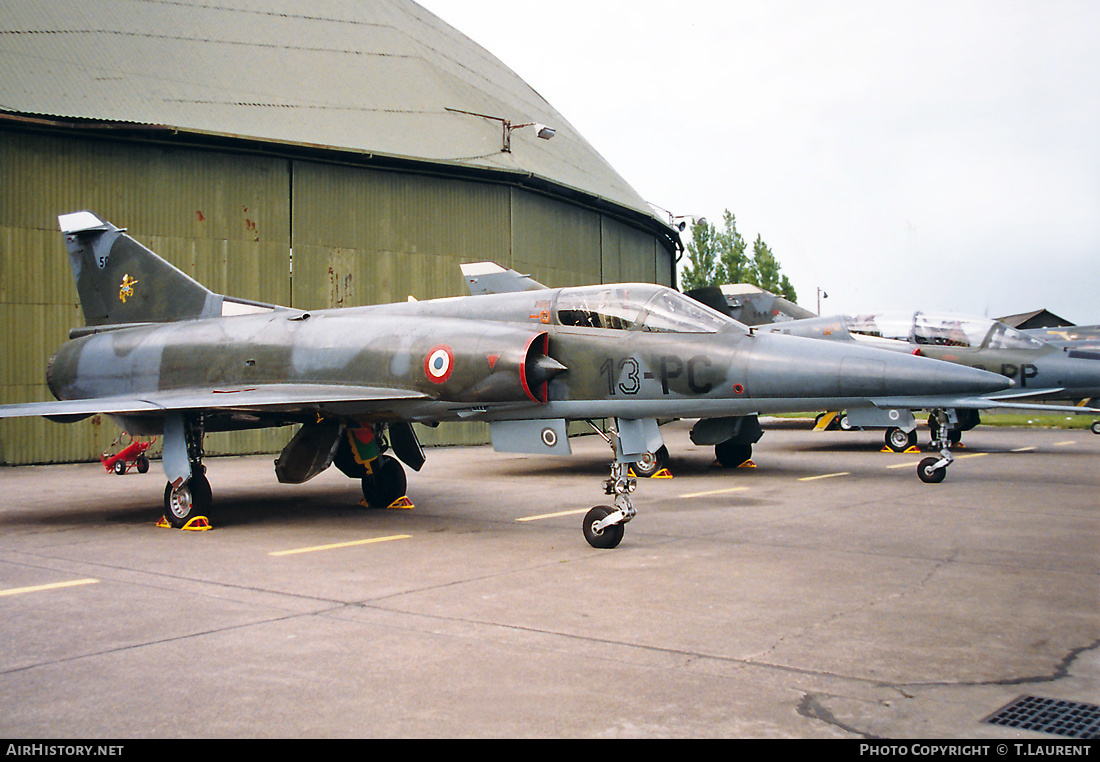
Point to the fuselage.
(1035, 366)
(629, 350)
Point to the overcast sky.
(935, 155)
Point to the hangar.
(344, 154)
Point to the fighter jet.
(1043, 371)
(1085, 337)
(733, 437)
(162, 354)
(750, 304)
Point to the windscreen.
(645, 307)
(672, 312)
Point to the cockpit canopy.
(637, 306)
(942, 330)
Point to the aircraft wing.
(491, 278)
(982, 403)
(261, 398)
(1038, 407)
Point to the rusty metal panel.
(358, 236)
(221, 218)
(363, 236)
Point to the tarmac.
(826, 593)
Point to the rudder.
(119, 281)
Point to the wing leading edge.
(274, 398)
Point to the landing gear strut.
(933, 470)
(604, 525)
(189, 497)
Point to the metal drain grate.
(1064, 718)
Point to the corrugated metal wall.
(232, 221)
(219, 217)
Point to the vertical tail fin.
(120, 281)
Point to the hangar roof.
(384, 79)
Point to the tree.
(702, 268)
(733, 265)
(717, 257)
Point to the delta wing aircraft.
(733, 435)
(1084, 337)
(1043, 372)
(162, 354)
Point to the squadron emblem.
(126, 288)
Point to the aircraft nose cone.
(961, 379)
(800, 367)
(910, 375)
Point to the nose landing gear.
(933, 470)
(605, 525)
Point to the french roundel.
(439, 363)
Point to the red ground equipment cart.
(131, 456)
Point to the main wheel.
(386, 484)
(1096, 427)
(954, 436)
(191, 499)
(608, 537)
(651, 463)
(732, 454)
(928, 473)
(899, 440)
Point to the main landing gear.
(382, 476)
(186, 499)
(900, 440)
(651, 464)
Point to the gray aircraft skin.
(162, 354)
(750, 304)
(1085, 337)
(1043, 372)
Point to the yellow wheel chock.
(197, 524)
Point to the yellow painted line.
(972, 455)
(911, 464)
(54, 586)
(1067, 442)
(1023, 449)
(553, 515)
(338, 545)
(713, 492)
(823, 476)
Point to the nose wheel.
(597, 530)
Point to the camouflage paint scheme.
(162, 354)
